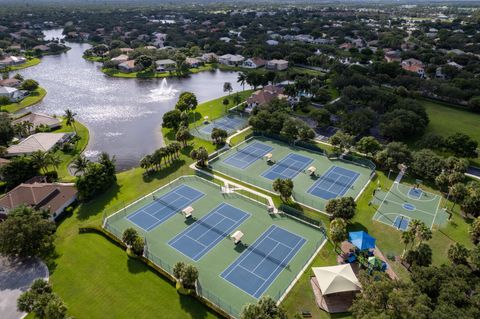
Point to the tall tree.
(70, 119)
(284, 187)
(338, 231)
(265, 308)
(27, 233)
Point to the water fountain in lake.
(164, 92)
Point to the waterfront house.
(120, 59)
(165, 65)
(39, 120)
(231, 59)
(193, 62)
(11, 82)
(265, 96)
(209, 57)
(10, 60)
(37, 142)
(12, 94)
(127, 66)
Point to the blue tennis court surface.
(248, 155)
(415, 193)
(256, 269)
(289, 167)
(227, 123)
(334, 183)
(401, 222)
(162, 208)
(204, 234)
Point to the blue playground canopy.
(361, 240)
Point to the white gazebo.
(335, 287)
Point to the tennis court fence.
(241, 122)
(290, 211)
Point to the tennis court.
(229, 123)
(261, 263)
(334, 183)
(289, 167)
(244, 157)
(317, 178)
(198, 239)
(162, 208)
(403, 203)
(204, 240)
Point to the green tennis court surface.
(276, 247)
(333, 178)
(402, 203)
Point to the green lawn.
(80, 146)
(93, 58)
(29, 63)
(97, 279)
(34, 98)
(152, 74)
(445, 121)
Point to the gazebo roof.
(335, 279)
(362, 240)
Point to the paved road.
(16, 277)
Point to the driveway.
(16, 276)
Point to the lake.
(123, 116)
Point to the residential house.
(413, 65)
(12, 60)
(209, 57)
(231, 59)
(39, 120)
(265, 96)
(128, 66)
(193, 62)
(392, 56)
(37, 142)
(13, 94)
(54, 197)
(254, 63)
(11, 82)
(120, 59)
(165, 65)
(277, 65)
(272, 42)
(41, 47)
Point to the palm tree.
(146, 162)
(53, 160)
(79, 164)
(40, 160)
(70, 119)
(407, 238)
(176, 147)
(183, 135)
(157, 157)
(242, 79)
(338, 231)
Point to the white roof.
(335, 279)
(7, 90)
(40, 141)
(38, 119)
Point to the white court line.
(416, 209)
(436, 212)
(281, 264)
(247, 270)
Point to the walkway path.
(16, 276)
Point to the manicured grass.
(34, 98)
(151, 74)
(67, 158)
(29, 63)
(445, 121)
(97, 279)
(240, 137)
(93, 58)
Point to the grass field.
(215, 261)
(302, 181)
(150, 74)
(445, 121)
(67, 158)
(29, 63)
(34, 98)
